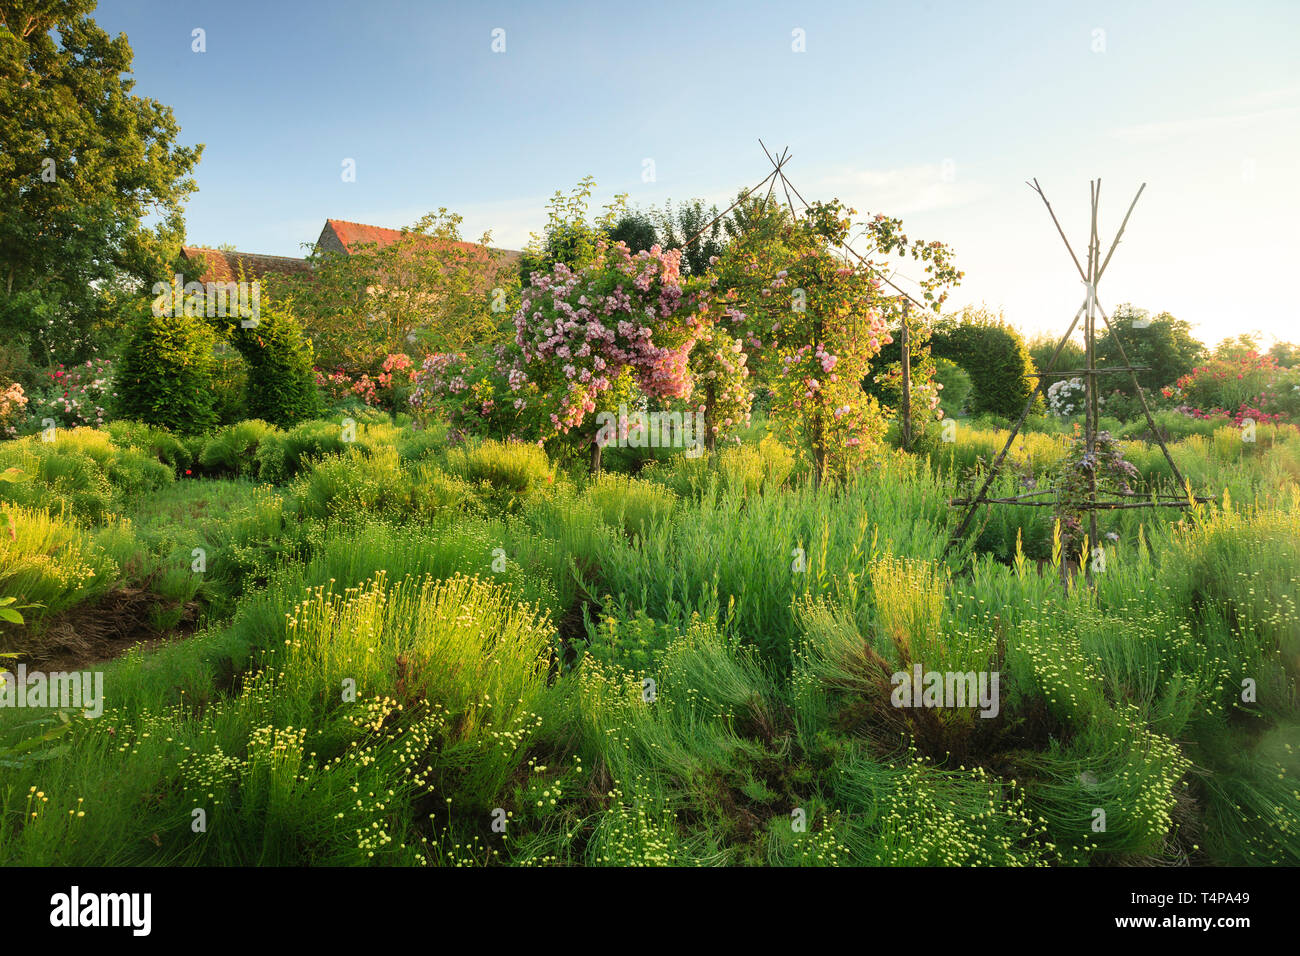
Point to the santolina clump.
(948, 689)
(58, 689)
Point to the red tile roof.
(354, 235)
(220, 266)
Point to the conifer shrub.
(165, 376)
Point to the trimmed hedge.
(995, 357)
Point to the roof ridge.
(240, 252)
(368, 225)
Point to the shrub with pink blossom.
(388, 388)
(1227, 384)
(579, 332)
(76, 394)
(616, 330)
(480, 393)
(719, 368)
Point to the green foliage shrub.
(50, 562)
(233, 449)
(229, 384)
(281, 382)
(81, 471)
(750, 468)
(352, 485)
(429, 441)
(171, 450)
(280, 455)
(957, 385)
(165, 375)
(511, 468)
(1043, 346)
(434, 493)
(636, 507)
(995, 357)
(755, 605)
(1161, 348)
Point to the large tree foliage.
(83, 162)
(165, 376)
(691, 219)
(636, 230)
(1287, 354)
(1161, 343)
(1043, 346)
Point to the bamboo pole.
(907, 381)
(1090, 397)
(1115, 243)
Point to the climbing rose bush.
(811, 324)
(578, 333)
(621, 330)
(1074, 475)
(719, 368)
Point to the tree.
(753, 212)
(84, 161)
(720, 378)
(1234, 348)
(281, 384)
(570, 237)
(679, 224)
(428, 288)
(1043, 346)
(883, 237)
(636, 230)
(1163, 343)
(1287, 354)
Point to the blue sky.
(935, 112)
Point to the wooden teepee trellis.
(906, 301)
(1096, 499)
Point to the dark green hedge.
(165, 375)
